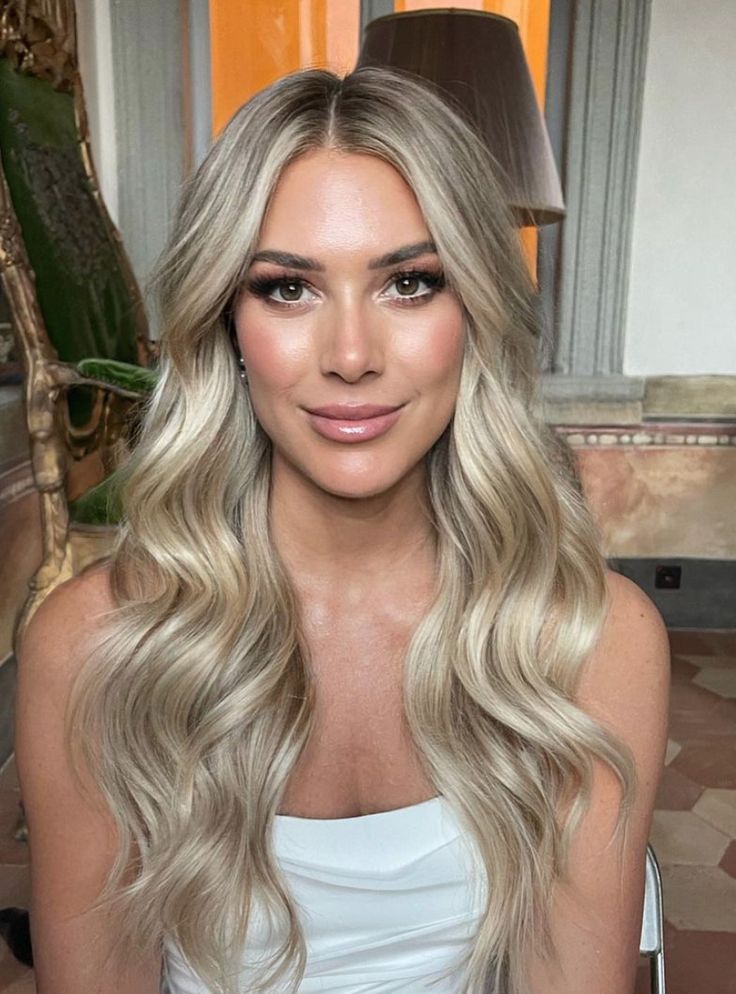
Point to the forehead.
(328, 201)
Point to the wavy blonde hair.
(195, 705)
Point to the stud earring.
(241, 363)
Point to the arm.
(596, 917)
(71, 834)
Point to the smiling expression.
(352, 343)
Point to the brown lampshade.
(478, 58)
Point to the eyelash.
(263, 286)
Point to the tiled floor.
(693, 833)
(694, 827)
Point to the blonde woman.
(355, 706)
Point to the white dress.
(387, 902)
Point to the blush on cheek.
(273, 355)
(437, 348)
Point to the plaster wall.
(682, 296)
(96, 66)
(663, 500)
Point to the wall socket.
(667, 577)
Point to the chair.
(651, 943)
(76, 309)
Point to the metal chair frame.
(651, 943)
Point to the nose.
(352, 344)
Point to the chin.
(350, 488)
(349, 473)
(354, 478)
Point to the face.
(352, 345)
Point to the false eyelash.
(262, 286)
(434, 279)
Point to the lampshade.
(478, 58)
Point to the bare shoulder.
(68, 616)
(58, 639)
(52, 651)
(632, 611)
(631, 659)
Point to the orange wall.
(255, 42)
(251, 50)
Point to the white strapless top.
(388, 901)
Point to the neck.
(354, 540)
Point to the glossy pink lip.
(353, 423)
(351, 412)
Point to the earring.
(241, 363)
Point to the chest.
(360, 757)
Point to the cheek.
(274, 352)
(436, 348)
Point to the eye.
(290, 288)
(409, 281)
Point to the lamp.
(478, 59)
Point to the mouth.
(352, 412)
(353, 422)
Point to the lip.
(352, 412)
(353, 422)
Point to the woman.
(358, 628)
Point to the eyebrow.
(292, 261)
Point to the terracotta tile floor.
(694, 826)
(693, 831)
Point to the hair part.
(196, 705)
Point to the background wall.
(96, 66)
(682, 304)
(276, 37)
(681, 313)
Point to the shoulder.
(625, 681)
(632, 610)
(57, 641)
(71, 610)
(633, 643)
(60, 631)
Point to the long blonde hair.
(194, 707)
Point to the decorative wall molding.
(199, 83)
(148, 68)
(614, 387)
(695, 396)
(631, 400)
(652, 434)
(556, 111)
(607, 56)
